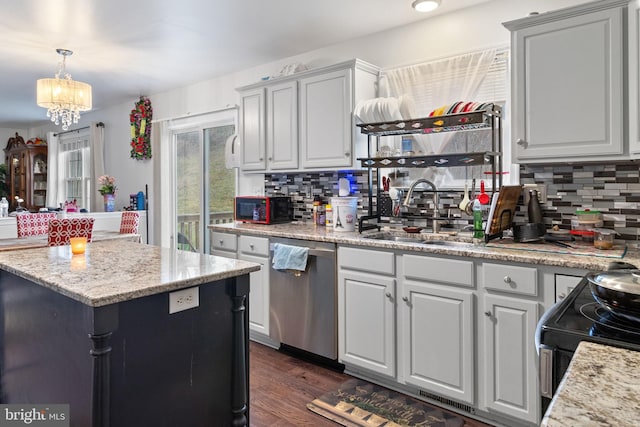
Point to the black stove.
(579, 318)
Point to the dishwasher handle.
(328, 253)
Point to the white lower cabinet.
(437, 339)
(436, 308)
(253, 249)
(256, 249)
(565, 284)
(507, 325)
(224, 244)
(366, 310)
(368, 322)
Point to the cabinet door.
(634, 77)
(366, 321)
(282, 126)
(252, 132)
(568, 84)
(565, 284)
(438, 340)
(325, 119)
(39, 179)
(510, 360)
(258, 294)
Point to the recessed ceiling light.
(425, 5)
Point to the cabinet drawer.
(224, 241)
(509, 278)
(366, 260)
(253, 245)
(452, 271)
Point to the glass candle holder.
(78, 244)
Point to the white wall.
(445, 35)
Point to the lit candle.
(78, 244)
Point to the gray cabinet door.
(568, 88)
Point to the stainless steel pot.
(528, 232)
(618, 291)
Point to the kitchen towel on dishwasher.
(287, 257)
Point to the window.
(74, 164)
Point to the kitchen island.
(95, 331)
(600, 388)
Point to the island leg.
(101, 354)
(239, 401)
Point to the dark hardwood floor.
(282, 385)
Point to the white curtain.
(433, 84)
(161, 188)
(96, 141)
(52, 169)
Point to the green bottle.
(478, 232)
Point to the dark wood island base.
(129, 363)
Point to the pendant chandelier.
(62, 97)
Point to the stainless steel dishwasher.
(303, 307)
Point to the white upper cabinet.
(252, 129)
(325, 119)
(568, 84)
(305, 121)
(282, 126)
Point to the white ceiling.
(126, 48)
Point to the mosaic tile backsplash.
(613, 189)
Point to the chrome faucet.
(436, 200)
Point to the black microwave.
(263, 209)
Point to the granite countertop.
(113, 271)
(491, 251)
(600, 388)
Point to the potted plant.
(108, 191)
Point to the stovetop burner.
(606, 322)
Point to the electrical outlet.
(542, 192)
(183, 299)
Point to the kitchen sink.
(394, 238)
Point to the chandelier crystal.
(63, 97)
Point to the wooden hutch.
(26, 172)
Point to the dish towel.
(287, 257)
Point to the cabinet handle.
(405, 299)
(270, 158)
(347, 154)
(487, 313)
(521, 142)
(221, 242)
(251, 247)
(561, 296)
(388, 294)
(507, 280)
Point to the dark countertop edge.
(319, 233)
